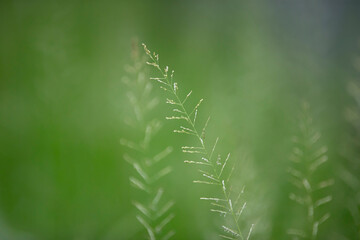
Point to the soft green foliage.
(208, 160)
(63, 106)
(351, 167)
(154, 210)
(308, 156)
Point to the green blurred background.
(62, 105)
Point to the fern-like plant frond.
(210, 164)
(308, 157)
(154, 211)
(350, 168)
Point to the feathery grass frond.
(307, 158)
(153, 209)
(213, 167)
(350, 168)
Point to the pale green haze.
(92, 148)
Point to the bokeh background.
(62, 105)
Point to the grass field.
(88, 148)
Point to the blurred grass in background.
(62, 106)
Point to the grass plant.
(214, 170)
(154, 210)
